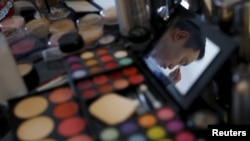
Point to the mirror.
(191, 48)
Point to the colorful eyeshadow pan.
(71, 126)
(136, 79)
(137, 137)
(75, 66)
(156, 133)
(130, 71)
(100, 79)
(81, 137)
(105, 88)
(35, 128)
(31, 107)
(147, 120)
(109, 134)
(91, 62)
(87, 55)
(79, 74)
(165, 114)
(101, 51)
(128, 127)
(120, 54)
(72, 59)
(121, 84)
(184, 136)
(89, 93)
(110, 65)
(84, 84)
(61, 95)
(66, 109)
(106, 58)
(94, 69)
(115, 75)
(174, 126)
(125, 61)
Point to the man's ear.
(180, 36)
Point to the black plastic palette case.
(107, 98)
(51, 115)
(119, 100)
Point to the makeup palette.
(93, 62)
(27, 48)
(160, 124)
(53, 114)
(108, 83)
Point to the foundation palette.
(52, 115)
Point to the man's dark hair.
(197, 40)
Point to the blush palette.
(54, 114)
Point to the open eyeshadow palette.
(50, 115)
(108, 98)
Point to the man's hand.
(175, 75)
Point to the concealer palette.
(52, 115)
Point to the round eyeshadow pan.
(156, 133)
(35, 128)
(115, 75)
(72, 59)
(109, 134)
(75, 66)
(100, 79)
(66, 109)
(84, 84)
(101, 51)
(81, 137)
(106, 58)
(79, 74)
(147, 120)
(121, 84)
(165, 113)
(71, 126)
(137, 137)
(175, 126)
(130, 71)
(125, 61)
(94, 69)
(128, 127)
(136, 79)
(60, 95)
(105, 88)
(89, 94)
(121, 54)
(91, 62)
(110, 65)
(31, 107)
(184, 136)
(87, 55)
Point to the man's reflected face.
(170, 51)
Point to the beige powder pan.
(112, 108)
(31, 107)
(35, 128)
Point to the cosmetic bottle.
(240, 113)
(11, 82)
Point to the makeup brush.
(144, 89)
